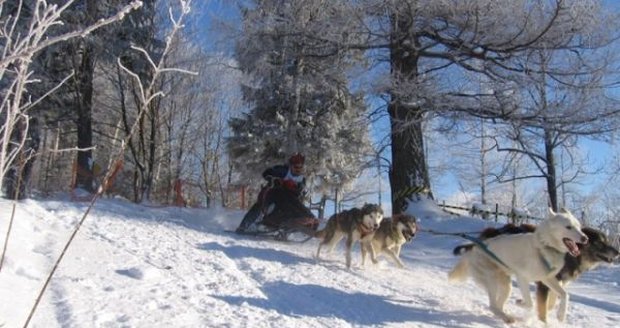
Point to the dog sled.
(278, 214)
(296, 232)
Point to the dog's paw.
(509, 319)
(561, 315)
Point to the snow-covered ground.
(138, 266)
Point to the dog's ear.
(563, 210)
(551, 212)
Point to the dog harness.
(364, 231)
(486, 249)
(474, 240)
(546, 248)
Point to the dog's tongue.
(572, 247)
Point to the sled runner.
(287, 232)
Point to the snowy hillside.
(139, 266)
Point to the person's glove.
(290, 185)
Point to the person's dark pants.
(287, 207)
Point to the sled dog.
(535, 256)
(596, 251)
(390, 237)
(355, 224)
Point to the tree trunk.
(483, 165)
(291, 142)
(151, 151)
(409, 173)
(552, 189)
(84, 118)
(18, 177)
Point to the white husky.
(531, 257)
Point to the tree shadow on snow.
(265, 254)
(354, 308)
(597, 303)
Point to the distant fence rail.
(488, 211)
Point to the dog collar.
(364, 230)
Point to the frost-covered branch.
(148, 92)
(22, 41)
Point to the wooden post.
(178, 189)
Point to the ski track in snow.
(135, 266)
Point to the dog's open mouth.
(572, 247)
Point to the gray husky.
(355, 224)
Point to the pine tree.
(298, 94)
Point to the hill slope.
(138, 266)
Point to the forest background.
(186, 102)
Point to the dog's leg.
(364, 247)
(555, 287)
(524, 286)
(318, 251)
(330, 239)
(499, 288)
(460, 271)
(335, 240)
(368, 247)
(397, 250)
(394, 255)
(373, 253)
(542, 301)
(349, 248)
(551, 301)
(552, 297)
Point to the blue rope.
(484, 247)
(475, 240)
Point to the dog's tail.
(462, 249)
(460, 272)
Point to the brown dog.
(390, 237)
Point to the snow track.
(135, 266)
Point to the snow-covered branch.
(23, 37)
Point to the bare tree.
(431, 45)
(147, 93)
(24, 32)
(568, 96)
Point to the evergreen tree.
(298, 94)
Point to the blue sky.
(444, 187)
